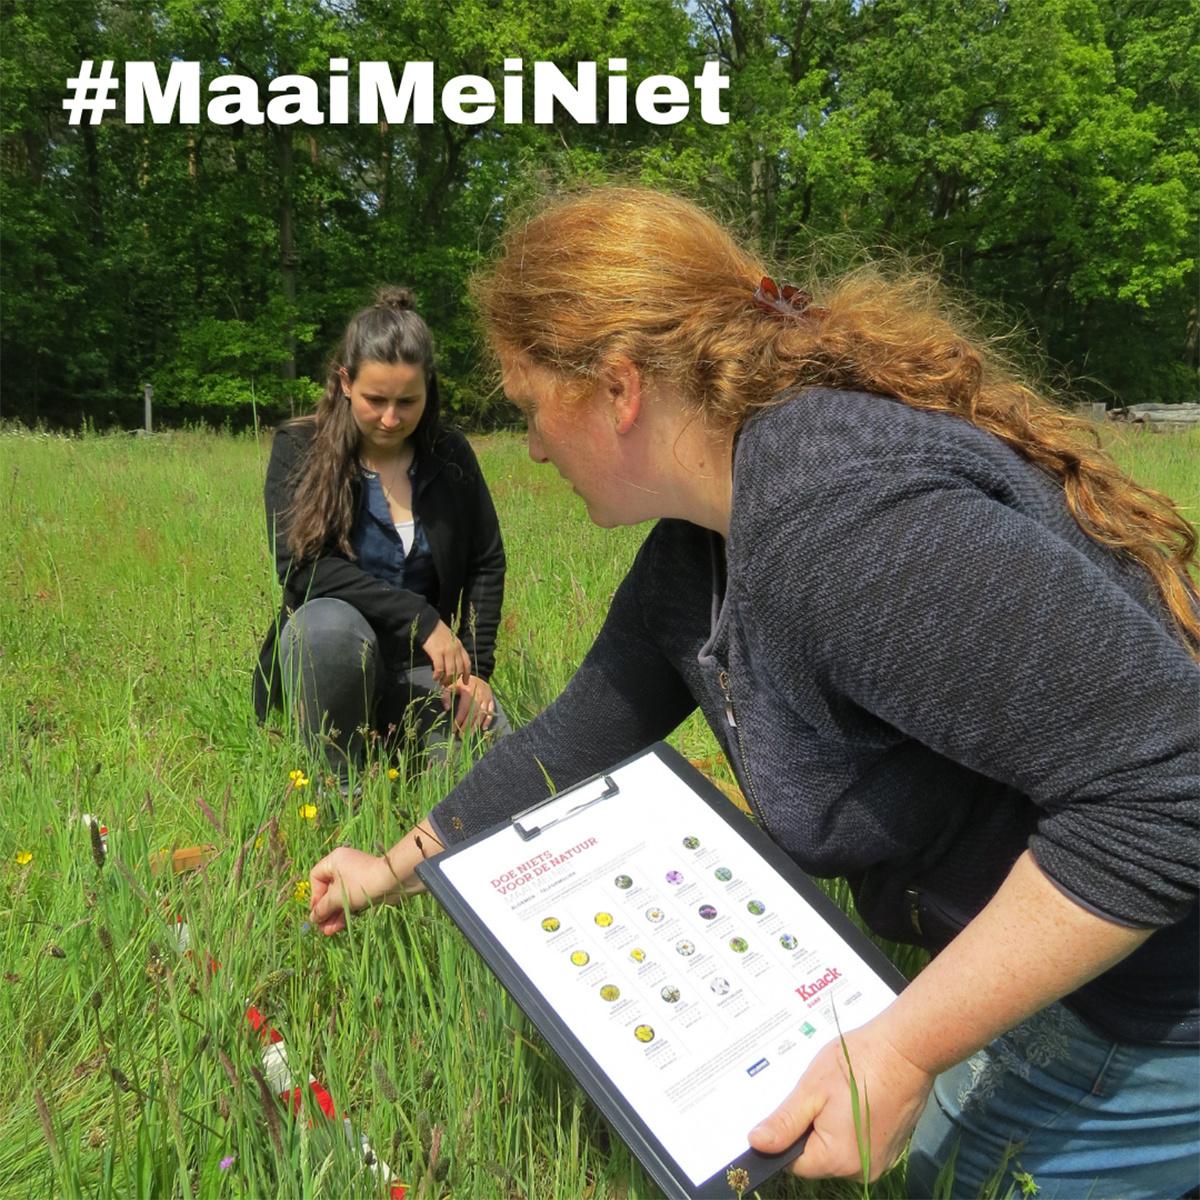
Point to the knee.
(329, 628)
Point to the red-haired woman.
(389, 552)
(958, 644)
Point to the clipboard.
(581, 1033)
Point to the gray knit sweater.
(918, 665)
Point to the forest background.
(1040, 155)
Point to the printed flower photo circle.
(675, 877)
(623, 882)
(739, 945)
(756, 908)
(724, 874)
(637, 954)
(707, 912)
(670, 994)
(654, 915)
(603, 919)
(788, 941)
(720, 985)
(686, 948)
(644, 1033)
(550, 924)
(691, 843)
(580, 958)
(609, 992)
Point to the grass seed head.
(47, 1123)
(228, 1068)
(98, 851)
(390, 1092)
(270, 1108)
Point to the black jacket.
(455, 508)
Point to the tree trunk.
(287, 256)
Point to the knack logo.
(809, 991)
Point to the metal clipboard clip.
(528, 832)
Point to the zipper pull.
(726, 691)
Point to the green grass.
(136, 587)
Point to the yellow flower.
(298, 779)
(393, 773)
(24, 857)
(307, 811)
(300, 891)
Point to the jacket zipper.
(731, 717)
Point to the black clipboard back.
(667, 1173)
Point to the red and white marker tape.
(89, 821)
(275, 1064)
(278, 1071)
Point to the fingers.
(825, 1157)
(788, 1123)
(462, 664)
(476, 708)
(331, 925)
(447, 655)
(438, 661)
(451, 666)
(465, 709)
(839, 1138)
(822, 1155)
(333, 891)
(325, 899)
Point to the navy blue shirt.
(379, 549)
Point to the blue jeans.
(1084, 1116)
(339, 691)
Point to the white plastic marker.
(91, 821)
(275, 1064)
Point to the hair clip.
(784, 300)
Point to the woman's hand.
(893, 1088)
(449, 657)
(475, 707)
(1030, 945)
(347, 881)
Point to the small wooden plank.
(186, 858)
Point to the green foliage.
(1042, 150)
(125, 693)
(231, 363)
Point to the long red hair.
(631, 271)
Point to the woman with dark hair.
(389, 552)
(948, 647)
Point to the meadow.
(135, 591)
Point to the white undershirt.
(407, 531)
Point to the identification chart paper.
(693, 973)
